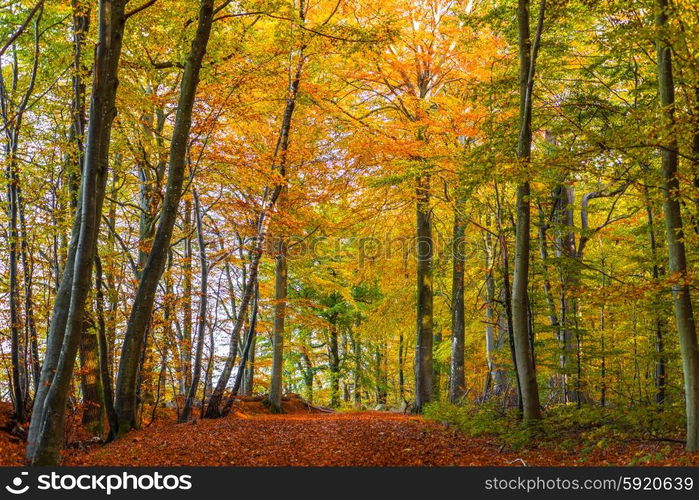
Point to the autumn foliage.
(385, 207)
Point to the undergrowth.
(564, 426)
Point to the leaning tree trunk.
(240, 372)
(520, 323)
(155, 265)
(46, 430)
(684, 315)
(201, 325)
(280, 279)
(213, 407)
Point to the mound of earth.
(292, 404)
(11, 438)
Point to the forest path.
(313, 439)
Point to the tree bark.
(280, 290)
(457, 381)
(186, 341)
(520, 324)
(201, 323)
(93, 409)
(682, 299)
(104, 358)
(424, 343)
(334, 365)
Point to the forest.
(408, 225)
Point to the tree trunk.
(155, 265)
(496, 381)
(201, 324)
(334, 364)
(249, 374)
(280, 277)
(520, 324)
(280, 288)
(244, 357)
(401, 368)
(186, 341)
(457, 381)
(104, 358)
(507, 297)
(93, 409)
(357, 372)
(660, 325)
(684, 315)
(423, 345)
(30, 324)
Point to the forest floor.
(250, 436)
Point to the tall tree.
(520, 322)
(201, 323)
(457, 382)
(280, 276)
(682, 298)
(139, 319)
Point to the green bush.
(563, 426)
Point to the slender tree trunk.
(684, 315)
(249, 374)
(571, 257)
(357, 375)
(660, 325)
(201, 324)
(104, 359)
(245, 355)
(155, 265)
(334, 364)
(457, 381)
(520, 324)
(30, 324)
(401, 369)
(15, 322)
(496, 377)
(308, 371)
(280, 278)
(186, 342)
(507, 297)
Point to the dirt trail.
(309, 436)
(350, 439)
